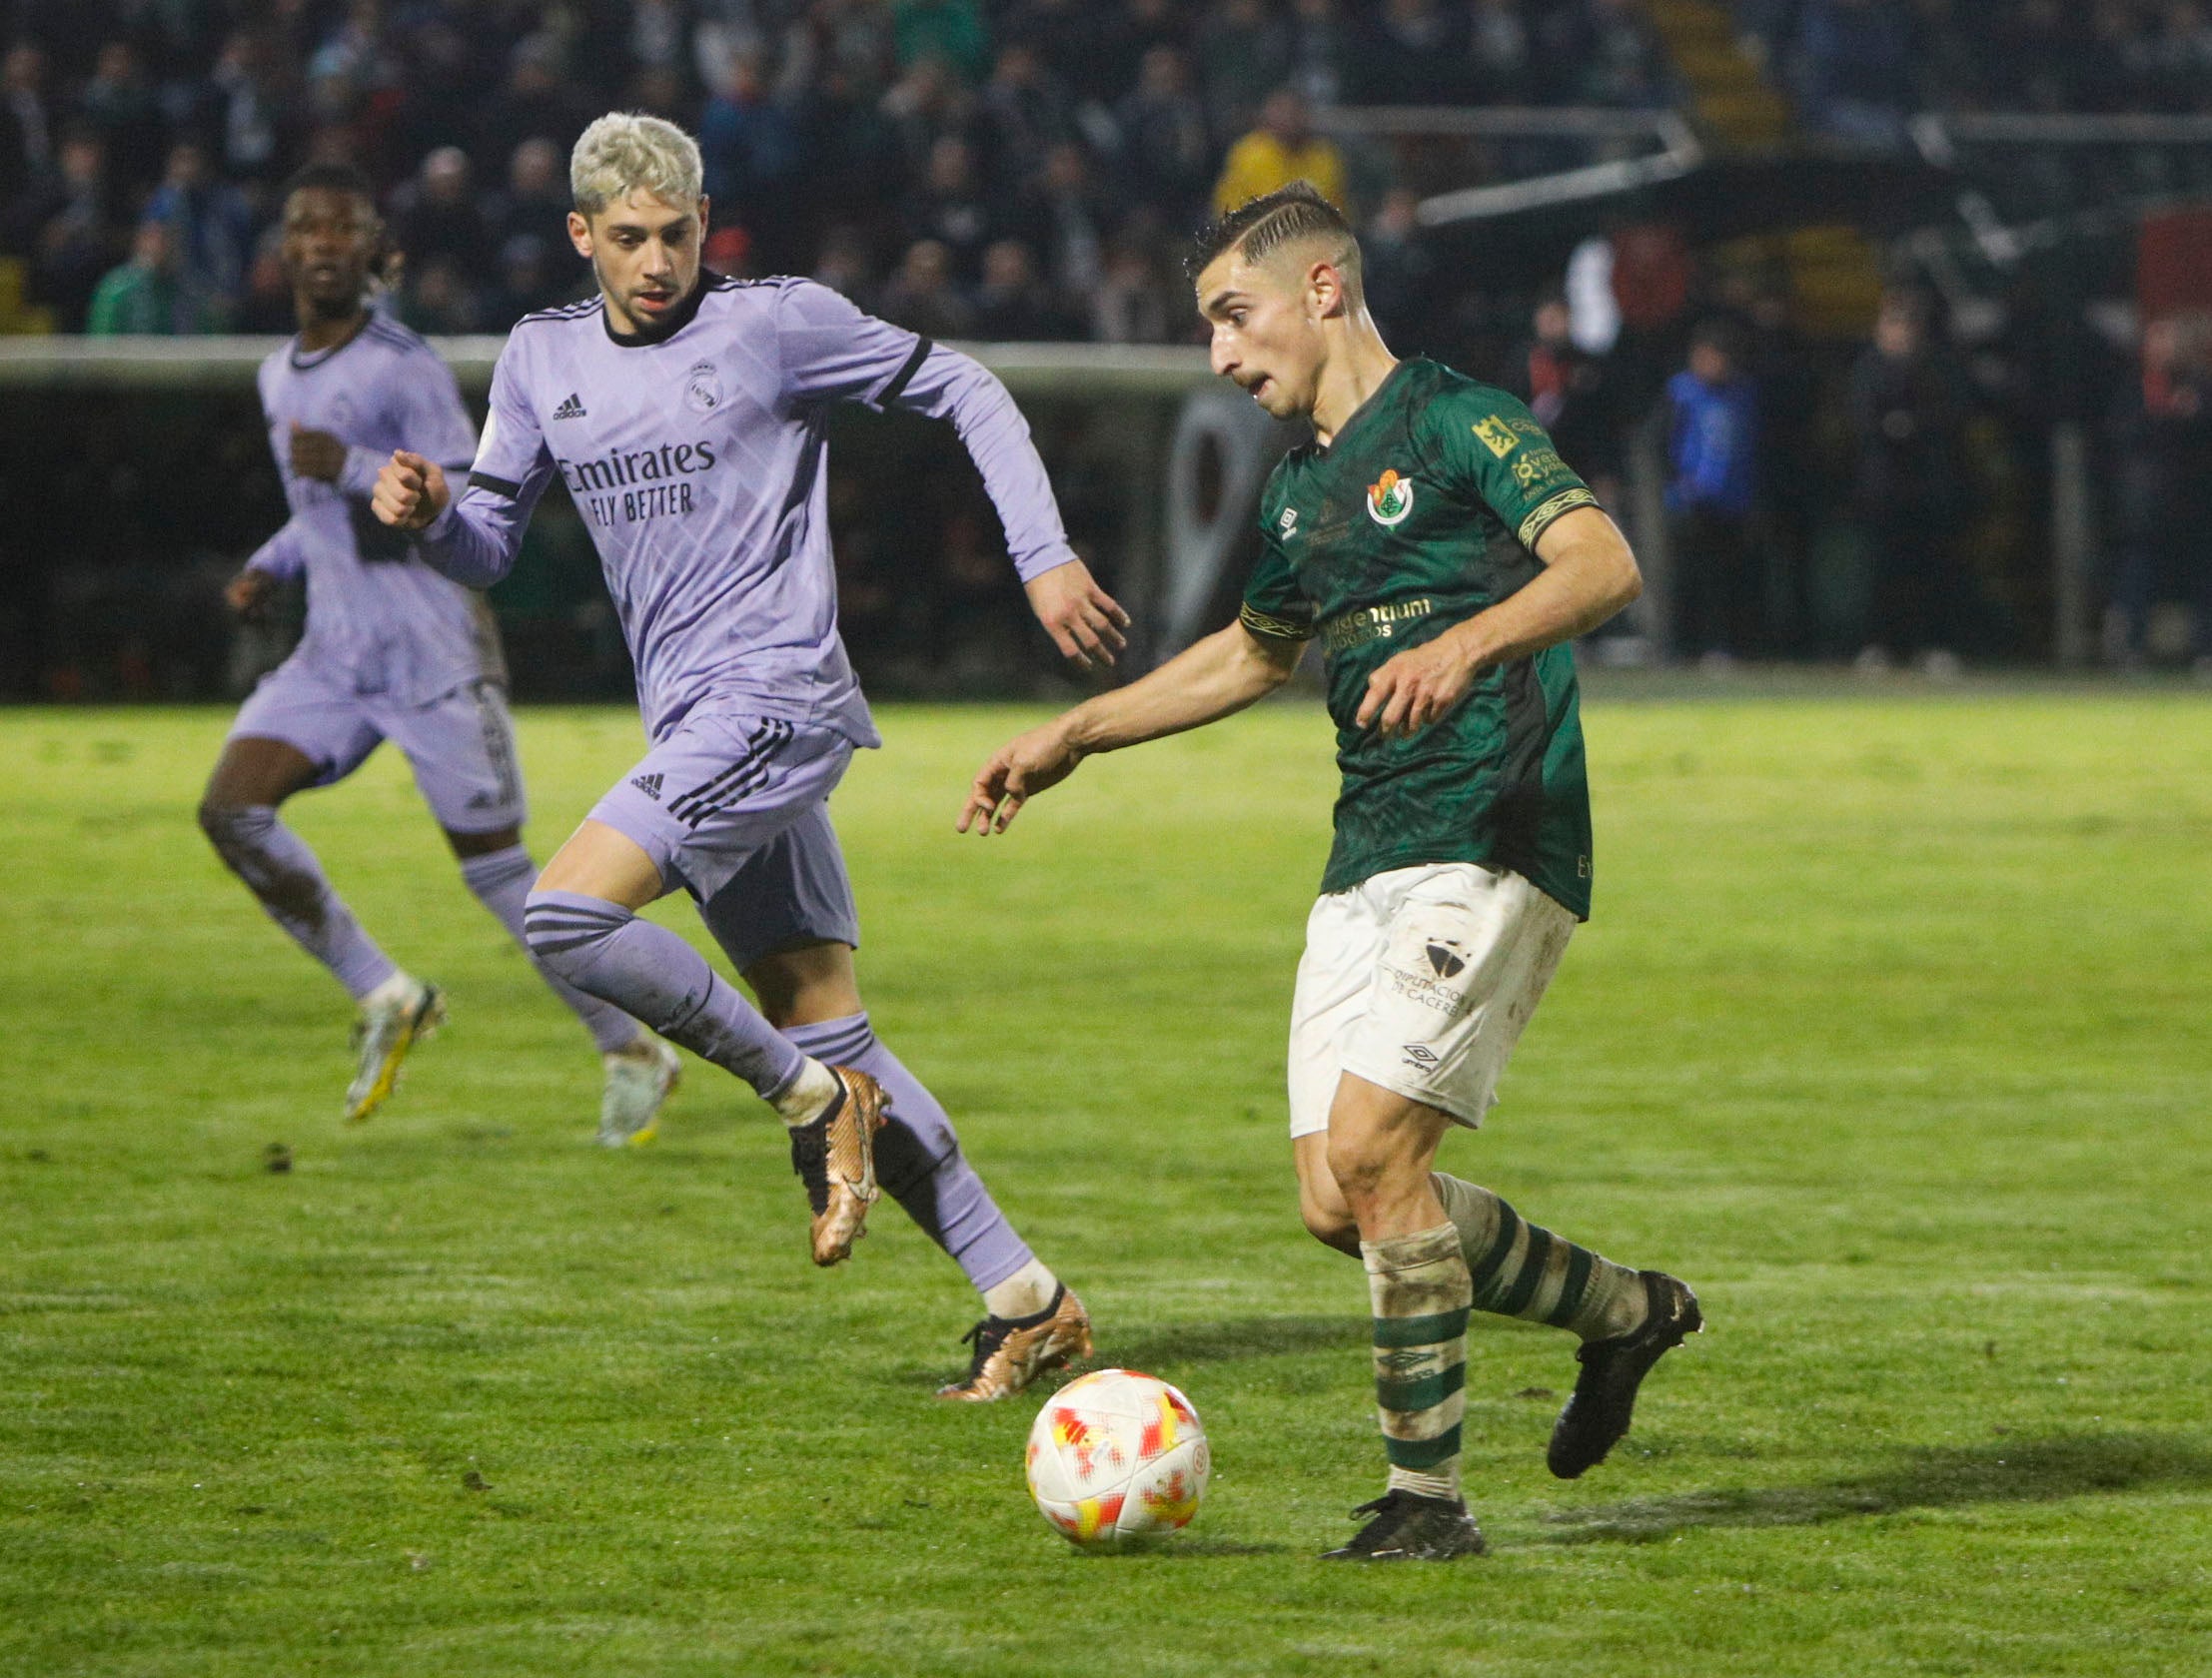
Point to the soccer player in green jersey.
(1434, 544)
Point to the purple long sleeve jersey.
(697, 460)
(376, 617)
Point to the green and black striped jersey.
(1423, 510)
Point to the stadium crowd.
(1859, 68)
(987, 168)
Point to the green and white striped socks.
(1518, 1269)
(1420, 1288)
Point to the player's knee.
(566, 934)
(1331, 1226)
(239, 832)
(1360, 1163)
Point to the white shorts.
(1420, 980)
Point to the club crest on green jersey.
(1389, 499)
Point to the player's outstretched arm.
(830, 351)
(1084, 621)
(1589, 574)
(1219, 676)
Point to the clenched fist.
(411, 492)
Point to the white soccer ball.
(1117, 1455)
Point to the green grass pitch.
(1892, 1034)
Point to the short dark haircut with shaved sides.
(1261, 226)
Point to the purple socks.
(649, 973)
(288, 882)
(918, 1159)
(501, 880)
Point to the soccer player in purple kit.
(392, 651)
(684, 413)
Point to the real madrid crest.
(702, 387)
(1390, 500)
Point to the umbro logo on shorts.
(1446, 961)
(649, 785)
(1421, 1057)
(573, 408)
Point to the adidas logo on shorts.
(649, 785)
(573, 408)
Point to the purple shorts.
(734, 808)
(461, 745)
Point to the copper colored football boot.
(834, 1155)
(1010, 1352)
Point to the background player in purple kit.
(683, 411)
(392, 651)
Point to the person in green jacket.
(147, 293)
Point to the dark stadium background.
(2031, 175)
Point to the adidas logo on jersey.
(649, 785)
(573, 408)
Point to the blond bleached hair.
(626, 151)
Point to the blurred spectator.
(951, 31)
(922, 295)
(1411, 52)
(75, 215)
(119, 105)
(1127, 34)
(1572, 392)
(437, 298)
(1397, 267)
(439, 216)
(1065, 35)
(251, 113)
(535, 101)
(1787, 372)
(843, 264)
(449, 72)
(529, 279)
(1712, 487)
(1283, 148)
(1163, 136)
(213, 227)
(1498, 41)
(1854, 63)
(1012, 303)
(1243, 54)
(1320, 40)
(2164, 484)
(268, 306)
(951, 208)
(1133, 302)
(1908, 410)
(1066, 217)
(535, 202)
(26, 123)
(751, 149)
(148, 293)
(1025, 109)
(924, 104)
(728, 249)
(1617, 55)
